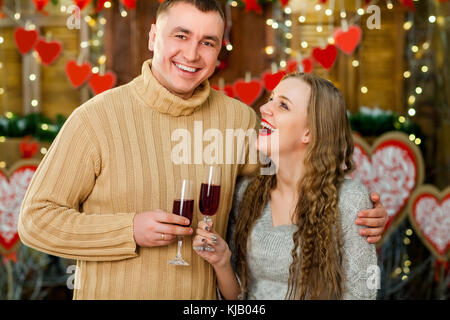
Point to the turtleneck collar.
(154, 95)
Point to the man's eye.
(181, 36)
(208, 44)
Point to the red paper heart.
(308, 65)
(284, 2)
(430, 216)
(326, 57)
(248, 92)
(48, 51)
(100, 83)
(82, 3)
(271, 80)
(28, 149)
(130, 4)
(40, 4)
(100, 5)
(77, 74)
(12, 192)
(348, 40)
(394, 168)
(252, 5)
(25, 39)
(228, 90)
(292, 65)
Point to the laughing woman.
(293, 234)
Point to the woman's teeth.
(185, 68)
(268, 127)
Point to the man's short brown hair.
(202, 5)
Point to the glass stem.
(180, 244)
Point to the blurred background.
(389, 58)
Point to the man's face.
(185, 43)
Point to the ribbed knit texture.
(111, 160)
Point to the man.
(95, 195)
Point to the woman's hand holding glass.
(217, 253)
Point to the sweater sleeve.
(361, 269)
(50, 219)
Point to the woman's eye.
(284, 106)
(270, 99)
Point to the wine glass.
(183, 205)
(210, 193)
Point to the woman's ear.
(306, 138)
(151, 37)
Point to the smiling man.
(103, 192)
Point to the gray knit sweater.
(269, 248)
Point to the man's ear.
(306, 138)
(152, 37)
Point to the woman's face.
(284, 119)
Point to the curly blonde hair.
(317, 270)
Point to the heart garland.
(82, 3)
(325, 57)
(130, 4)
(48, 51)
(40, 4)
(429, 213)
(13, 186)
(227, 89)
(393, 167)
(28, 149)
(25, 39)
(78, 74)
(271, 80)
(248, 92)
(99, 83)
(252, 5)
(348, 40)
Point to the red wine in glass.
(183, 205)
(209, 199)
(184, 208)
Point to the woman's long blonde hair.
(317, 268)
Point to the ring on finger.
(163, 236)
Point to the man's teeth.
(267, 126)
(180, 66)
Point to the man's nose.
(191, 52)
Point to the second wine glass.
(210, 194)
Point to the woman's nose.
(266, 109)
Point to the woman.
(293, 235)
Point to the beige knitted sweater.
(113, 159)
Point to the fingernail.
(186, 221)
(358, 221)
(214, 242)
(214, 237)
(198, 248)
(207, 228)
